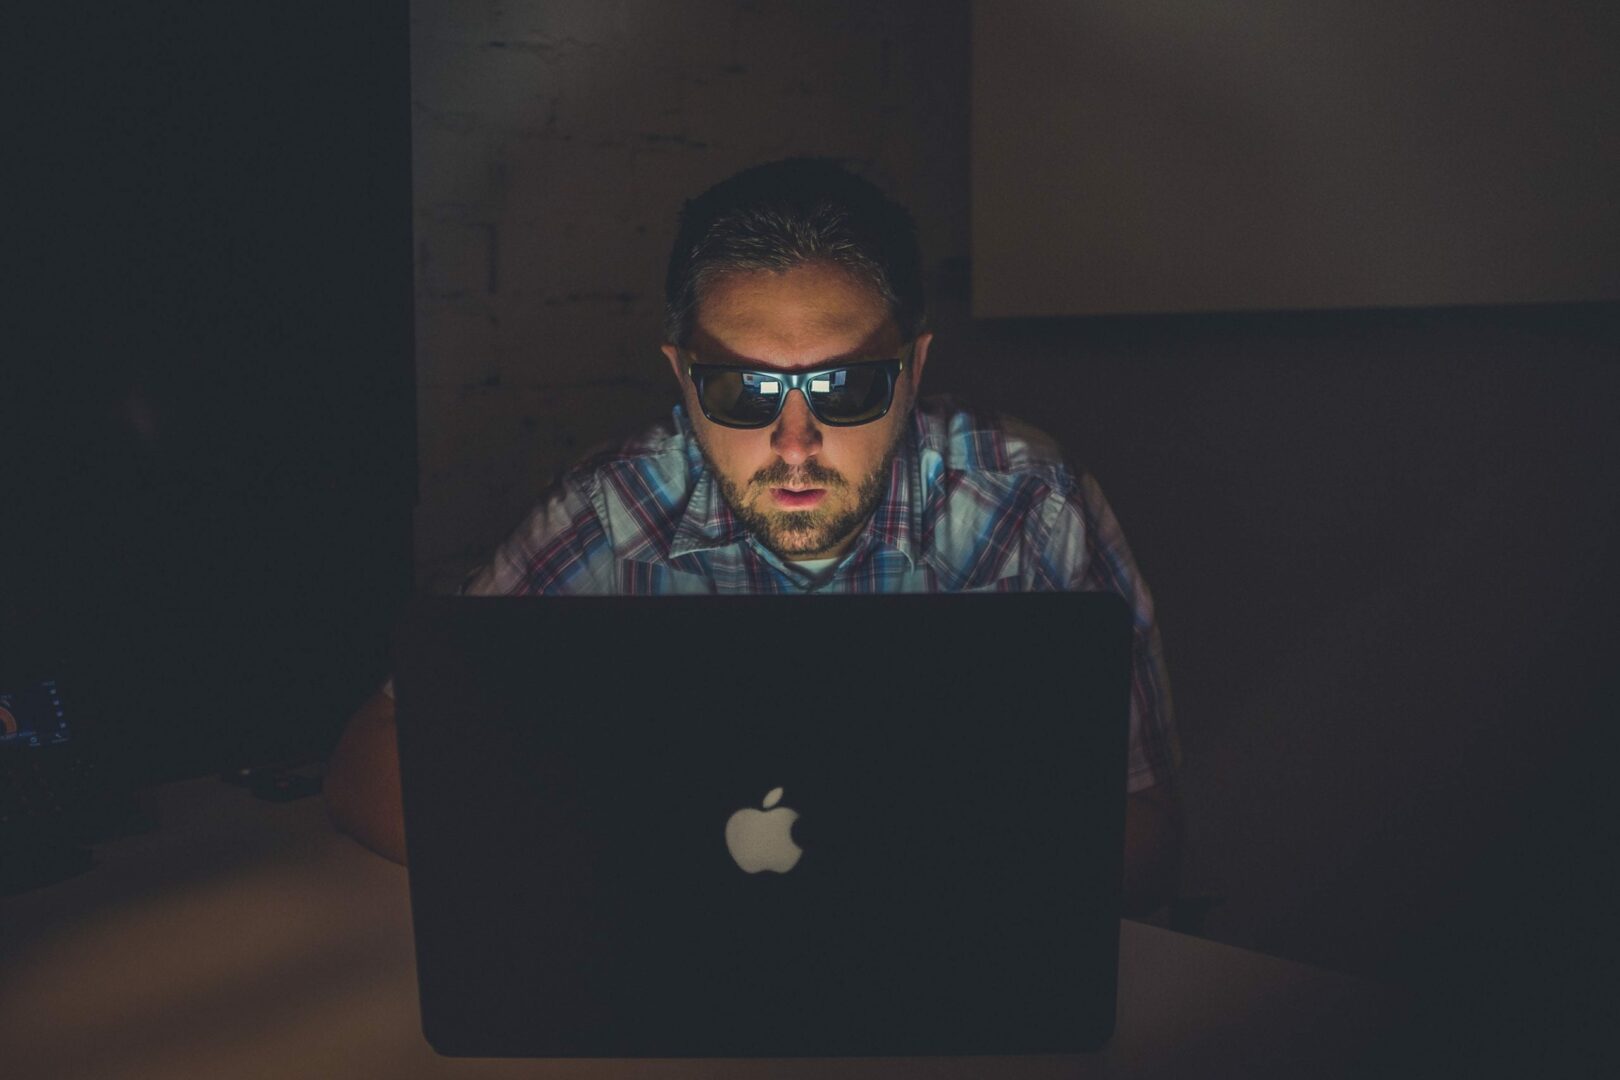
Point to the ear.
(674, 355)
(919, 357)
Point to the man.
(800, 460)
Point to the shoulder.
(658, 452)
(619, 497)
(959, 438)
(641, 485)
(999, 500)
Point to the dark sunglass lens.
(741, 397)
(851, 395)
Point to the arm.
(1152, 849)
(561, 547)
(362, 781)
(1081, 529)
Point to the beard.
(804, 534)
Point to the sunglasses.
(842, 396)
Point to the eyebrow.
(859, 357)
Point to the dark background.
(210, 429)
(1382, 542)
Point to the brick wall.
(553, 145)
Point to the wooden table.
(246, 938)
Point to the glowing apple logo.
(761, 839)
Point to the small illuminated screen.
(33, 716)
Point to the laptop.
(755, 826)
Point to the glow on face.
(803, 488)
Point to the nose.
(797, 436)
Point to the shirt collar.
(897, 522)
(707, 521)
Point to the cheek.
(853, 452)
(869, 445)
(741, 453)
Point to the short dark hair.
(787, 213)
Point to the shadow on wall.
(1383, 548)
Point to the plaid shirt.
(973, 505)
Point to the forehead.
(792, 318)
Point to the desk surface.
(246, 938)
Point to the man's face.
(803, 488)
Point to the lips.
(798, 498)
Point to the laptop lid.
(765, 826)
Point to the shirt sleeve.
(559, 549)
(1084, 538)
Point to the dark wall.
(1383, 546)
(1381, 543)
(211, 434)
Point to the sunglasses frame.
(800, 381)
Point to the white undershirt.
(816, 570)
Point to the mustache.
(810, 474)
